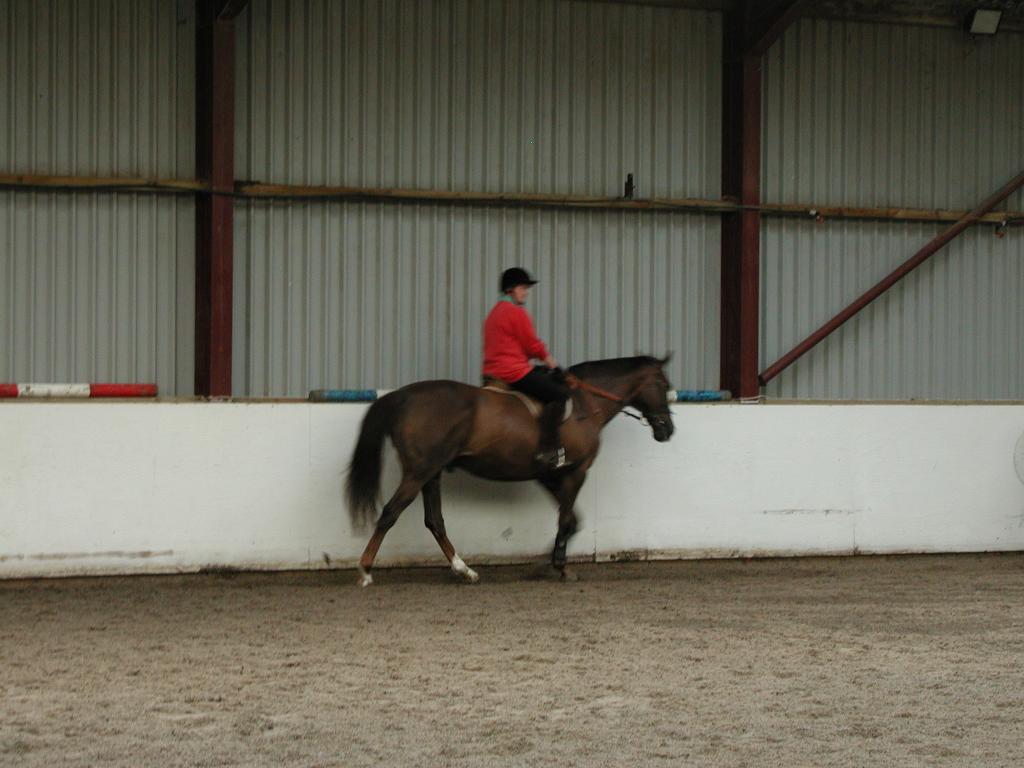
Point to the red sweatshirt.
(510, 342)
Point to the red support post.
(215, 147)
(746, 40)
(741, 231)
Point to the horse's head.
(651, 398)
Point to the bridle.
(575, 382)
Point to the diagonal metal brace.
(892, 278)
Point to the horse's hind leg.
(435, 524)
(401, 499)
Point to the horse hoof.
(570, 576)
(461, 569)
(365, 579)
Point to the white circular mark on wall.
(1018, 458)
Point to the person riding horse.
(510, 342)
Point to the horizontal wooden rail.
(246, 190)
(924, 215)
(297, 192)
(36, 183)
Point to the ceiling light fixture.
(983, 22)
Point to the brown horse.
(437, 425)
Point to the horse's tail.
(363, 486)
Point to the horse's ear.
(665, 359)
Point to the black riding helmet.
(510, 278)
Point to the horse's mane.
(618, 366)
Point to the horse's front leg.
(568, 524)
(565, 489)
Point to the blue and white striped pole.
(347, 395)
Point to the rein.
(575, 382)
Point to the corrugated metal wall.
(494, 95)
(96, 286)
(880, 115)
(501, 95)
(362, 295)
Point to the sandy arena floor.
(911, 661)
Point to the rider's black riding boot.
(551, 454)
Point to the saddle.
(533, 405)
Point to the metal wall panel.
(96, 286)
(880, 115)
(950, 330)
(483, 95)
(884, 115)
(495, 95)
(367, 295)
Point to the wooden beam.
(693, 5)
(254, 190)
(925, 215)
(215, 147)
(286, 192)
(32, 182)
(948, 22)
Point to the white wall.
(150, 487)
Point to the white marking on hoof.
(365, 579)
(463, 570)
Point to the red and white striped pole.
(77, 390)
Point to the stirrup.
(553, 459)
